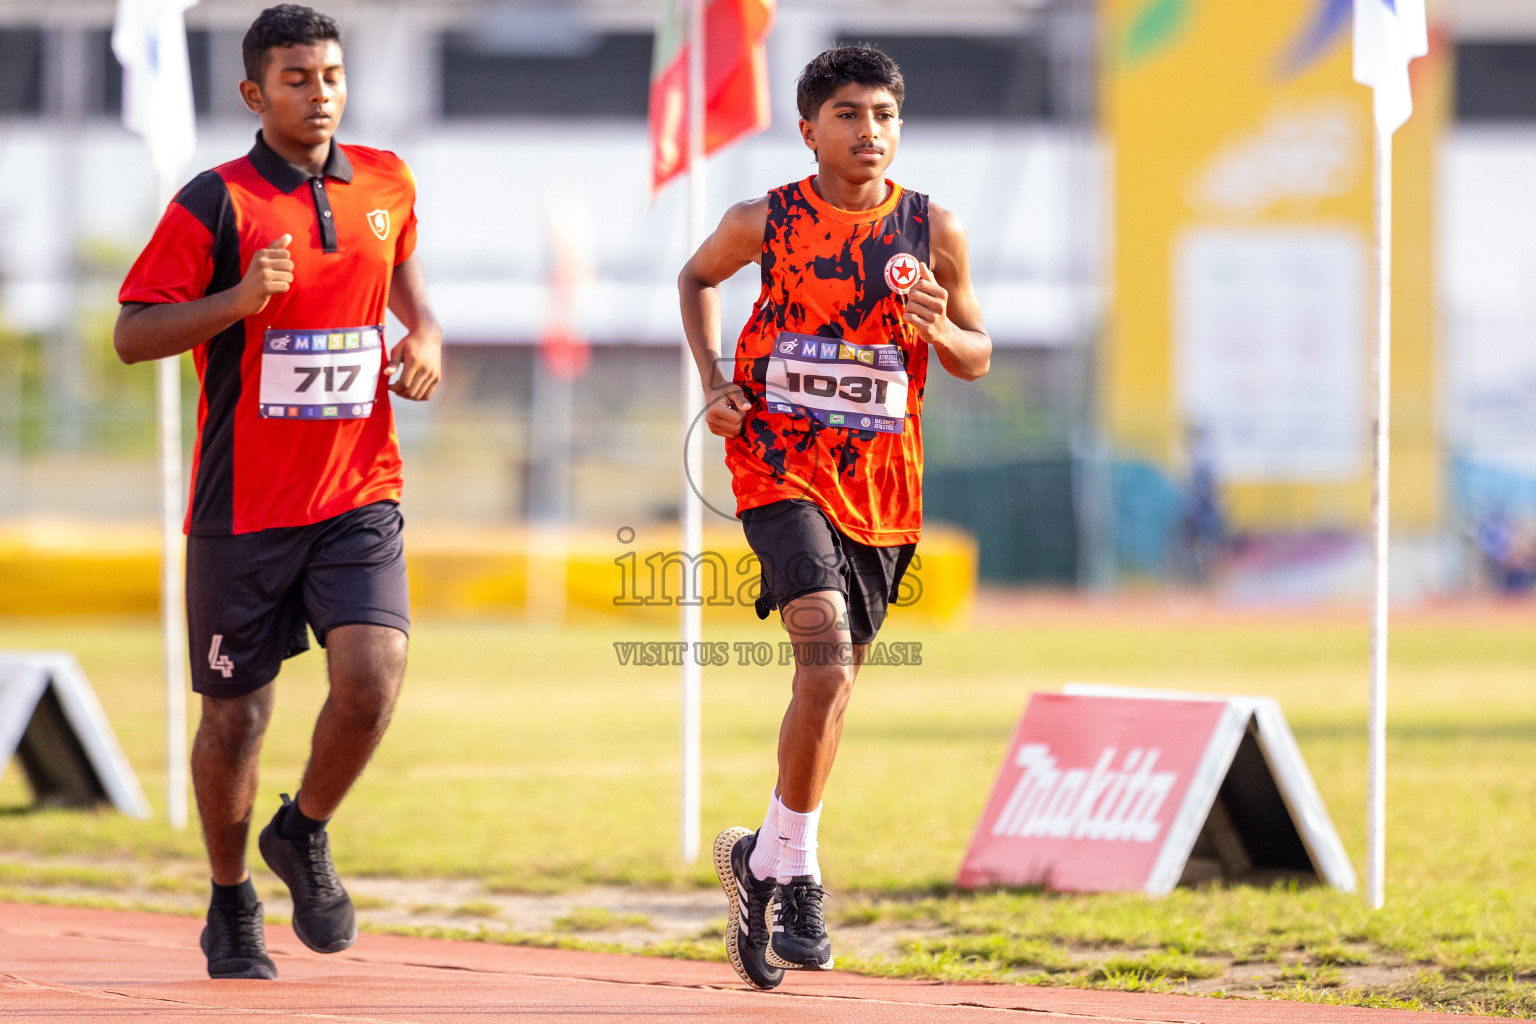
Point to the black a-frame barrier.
(52, 723)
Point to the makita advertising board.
(1120, 789)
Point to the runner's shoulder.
(379, 161)
(742, 228)
(206, 196)
(209, 191)
(749, 216)
(944, 223)
(946, 236)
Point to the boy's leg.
(806, 563)
(826, 664)
(224, 773)
(225, 755)
(356, 599)
(243, 619)
(367, 666)
(750, 865)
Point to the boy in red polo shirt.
(821, 416)
(275, 270)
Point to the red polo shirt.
(295, 448)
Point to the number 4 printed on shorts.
(220, 662)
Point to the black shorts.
(250, 596)
(801, 552)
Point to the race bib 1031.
(330, 374)
(861, 387)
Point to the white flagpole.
(149, 39)
(172, 569)
(693, 462)
(1381, 416)
(1388, 35)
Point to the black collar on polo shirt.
(285, 177)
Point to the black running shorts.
(801, 552)
(251, 595)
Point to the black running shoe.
(234, 944)
(800, 940)
(322, 911)
(746, 931)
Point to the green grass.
(50, 875)
(476, 908)
(598, 919)
(532, 761)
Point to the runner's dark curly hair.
(832, 69)
(283, 25)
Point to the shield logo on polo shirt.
(379, 221)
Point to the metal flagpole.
(172, 600)
(149, 40)
(172, 568)
(173, 617)
(1381, 415)
(693, 459)
(1389, 34)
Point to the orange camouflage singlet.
(834, 374)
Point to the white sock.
(764, 862)
(798, 857)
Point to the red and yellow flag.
(735, 80)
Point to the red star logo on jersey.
(902, 272)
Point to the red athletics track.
(65, 964)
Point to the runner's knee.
(233, 726)
(365, 708)
(366, 672)
(824, 683)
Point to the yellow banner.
(1242, 322)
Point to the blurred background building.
(525, 124)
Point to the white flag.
(149, 38)
(1389, 34)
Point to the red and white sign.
(1087, 792)
(901, 272)
(1108, 789)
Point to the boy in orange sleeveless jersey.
(821, 417)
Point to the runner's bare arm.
(419, 356)
(942, 305)
(735, 243)
(155, 330)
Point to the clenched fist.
(928, 307)
(727, 411)
(419, 359)
(270, 273)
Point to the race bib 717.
(861, 387)
(330, 374)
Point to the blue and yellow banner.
(1241, 320)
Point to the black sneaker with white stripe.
(746, 931)
(799, 939)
